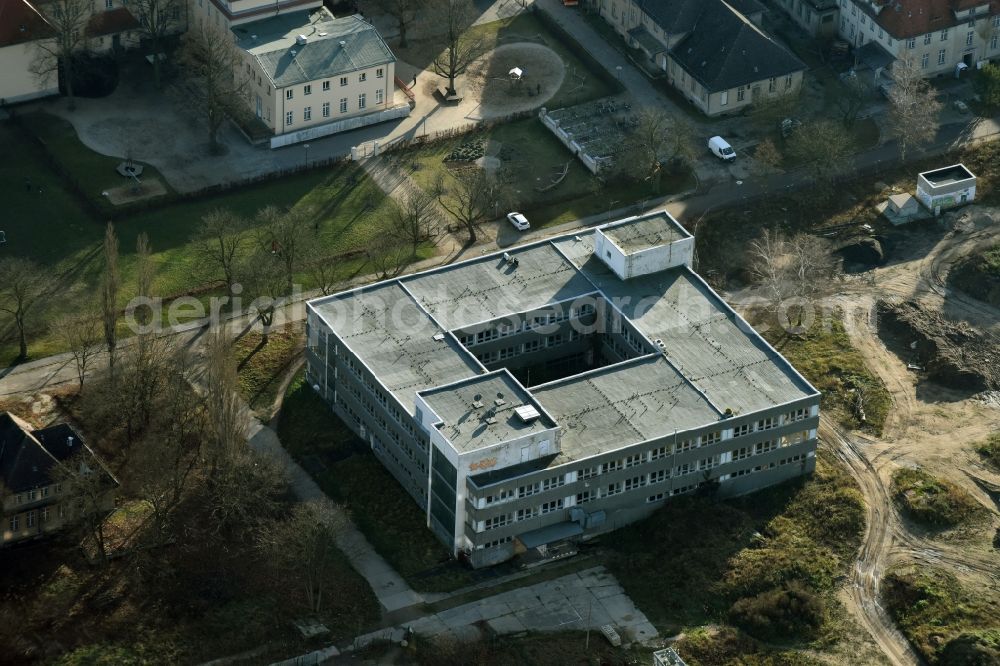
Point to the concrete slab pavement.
(589, 598)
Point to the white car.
(519, 221)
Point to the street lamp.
(610, 206)
(618, 70)
(306, 146)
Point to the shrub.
(972, 650)
(932, 501)
(779, 614)
(990, 450)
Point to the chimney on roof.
(301, 40)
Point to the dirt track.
(928, 425)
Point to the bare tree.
(219, 241)
(766, 253)
(161, 468)
(855, 92)
(144, 274)
(822, 149)
(157, 19)
(405, 13)
(287, 236)
(913, 107)
(87, 487)
(768, 111)
(461, 48)
(110, 284)
(797, 268)
(658, 140)
(265, 287)
(470, 196)
(22, 284)
(82, 335)
(67, 20)
(413, 218)
(323, 272)
(303, 546)
(987, 30)
(138, 382)
(214, 69)
(387, 255)
(228, 431)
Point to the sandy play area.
(497, 94)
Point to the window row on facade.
(307, 112)
(645, 457)
(504, 329)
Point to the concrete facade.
(945, 188)
(538, 395)
(334, 85)
(935, 46)
(817, 17)
(667, 35)
(18, 83)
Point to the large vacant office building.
(561, 389)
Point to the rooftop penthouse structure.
(560, 389)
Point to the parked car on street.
(721, 149)
(519, 221)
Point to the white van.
(721, 149)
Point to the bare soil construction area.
(938, 411)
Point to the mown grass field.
(55, 230)
(530, 155)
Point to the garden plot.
(594, 131)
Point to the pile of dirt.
(954, 354)
(864, 253)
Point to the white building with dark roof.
(312, 74)
(34, 502)
(713, 51)
(560, 389)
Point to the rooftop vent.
(439, 336)
(293, 52)
(491, 420)
(343, 43)
(301, 40)
(527, 413)
(499, 402)
(323, 34)
(477, 401)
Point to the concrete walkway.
(389, 587)
(589, 598)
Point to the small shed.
(945, 188)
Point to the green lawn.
(92, 172)
(261, 367)
(55, 230)
(530, 155)
(350, 474)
